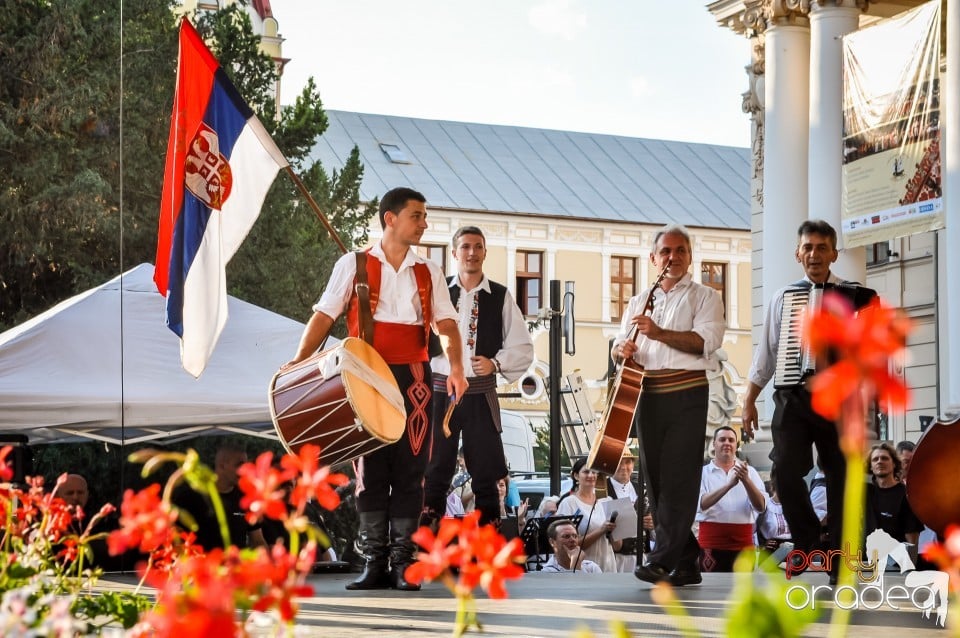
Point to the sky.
(659, 69)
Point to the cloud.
(558, 17)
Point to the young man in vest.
(494, 340)
(407, 295)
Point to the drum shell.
(307, 408)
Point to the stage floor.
(551, 605)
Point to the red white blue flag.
(219, 166)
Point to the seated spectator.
(773, 532)
(594, 525)
(548, 507)
(229, 457)
(508, 511)
(621, 485)
(887, 506)
(74, 491)
(731, 498)
(818, 498)
(905, 449)
(567, 555)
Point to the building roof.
(510, 169)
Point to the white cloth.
(773, 524)
(516, 354)
(600, 552)
(624, 490)
(735, 505)
(688, 306)
(818, 497)
(399, 300)
(765, 355)
(454, 505)
(586, 567)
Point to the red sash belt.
(400, 342)
(734, 536)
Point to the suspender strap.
(365, 320)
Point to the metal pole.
(556, 362)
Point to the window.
(529, 281)
(623, 279)
(714, 275)
(435, 253)
(878, 253)
(394, 153)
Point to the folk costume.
(491, 325)
(389, 481)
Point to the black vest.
(490, 322)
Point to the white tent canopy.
(104, 366)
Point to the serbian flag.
(220, 164)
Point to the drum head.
(379, 417)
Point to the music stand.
(536, 544)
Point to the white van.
(518, 441)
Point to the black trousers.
(482, 454)
(390, 479)
(795, 429)
(672, 428)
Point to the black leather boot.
(402, 550)
(372, 541)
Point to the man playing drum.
(407, 295)
(495, 341)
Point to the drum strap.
(365, 318)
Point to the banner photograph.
(891, 129)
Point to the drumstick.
(447, 415)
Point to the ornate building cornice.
(787, 12)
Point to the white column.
(949, 256)
(787, 102)
(829, 20)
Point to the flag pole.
(316, 208)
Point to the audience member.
(548, 507)
(567, 554)
(74, 491)
(905, 449)
(731, 498)
(228, 459)
(887, 506)
(621, 485)
(510, 511)
(594, 526)
(773, 532)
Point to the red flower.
(262, 487)
(862, 344)
(274, 580)
(6, 472)
(440, 554)
(312, 481)
(146, 522)
(947, 555)
(495, 560)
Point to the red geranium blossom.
(312, 481)
(440, 554)
(262, 487)
(861, 344)
(6, 472)
(946, 555)
(146, 522)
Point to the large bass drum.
(344, 399)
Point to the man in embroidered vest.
(674, 345)
(494, 340)
(731, 498)
(407, 295)
(795, 427)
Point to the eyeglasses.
(566, 536)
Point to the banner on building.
(891, 129)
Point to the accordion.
(794, 359)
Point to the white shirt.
(818, 498)
(586, 567)
(773, 524)
(516, 354)
(399, 300)
(624, 490)
(688, 306)
(765, 356)
(734, 506)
